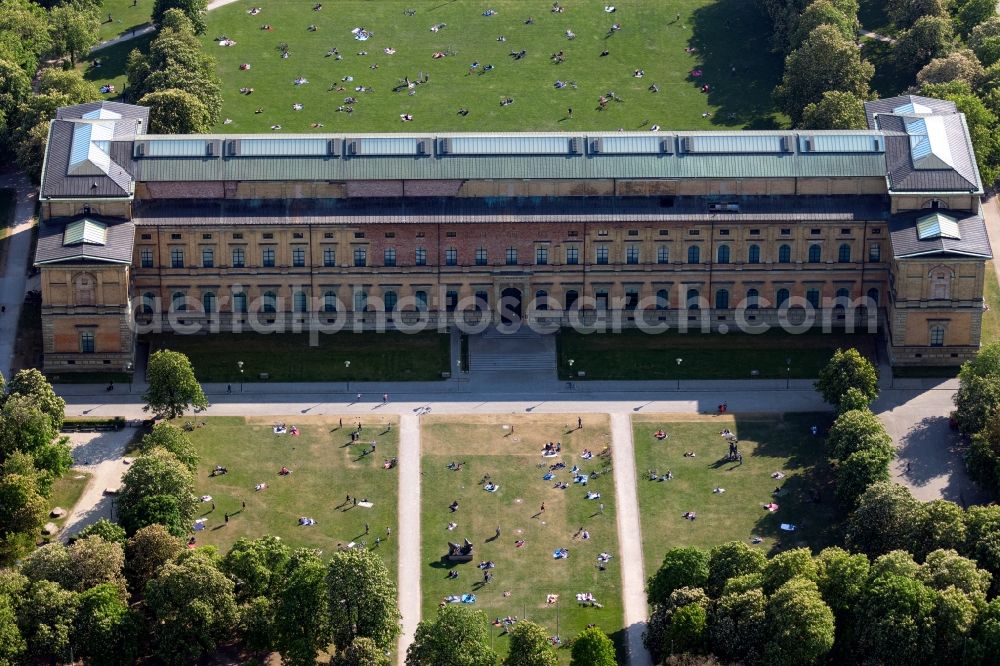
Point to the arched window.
(940, 284)
(541, 300)
(662, 299)
(781, 298)
(815, 253)
(844, 254)
(723, 254)
(812, 295)
(239, 301)
(692, 299)
(694, 255)
(330, 301)
(753, 298)
(784, 254)
(360, 300)
(601, 296)
(753, 254)
(571, 298)
(269, 302)
(148, 303)
(873, 296)
(178, 301)
(390, 298)
(937, 336)
(421, 297)
(84, 288)
(841, 298)
(208, 302)
(300, 302)
(722, 299)
(482, 300)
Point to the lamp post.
(347, 367)
(458, 378)
(571, 362)
(239, 364)
(788, 372)
(128, 368)
(679, 361)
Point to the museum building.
(698, 230)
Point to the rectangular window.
(147, 236)
(176, 258)
(602, 232)
(175, 236)
(541, 255)
(723, 232)
(602, 254)
(512, 256)
(390, 234)
(755, 232)
(632, 254)
(814, 232)
(207, 257)
(450, 234)
(359, 234)
(451, 257)
(845, 232)
(694, 232)
(328, 234)
(238, 236)
(389, 256)
(268, 236)
(786, 232)
(633, 232)
(664, 232)
(481, 256)
(874, 252)
(299, 257)
(239, 258)
(877, 230)
(206, 236)
(662, 255)
(574, 234)
(87, 342)
(360, 257)
(329, 257)
(421, 256)
(297, 234)
(146, 257)
(572, 256)
(267, 257)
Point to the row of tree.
(796, 608)
(977, 415)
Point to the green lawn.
(730, 38)
(289, 358)
(325, 468)
(769, 444)
(529, 573)
(632, 354)
(66, 493)
(991, 318)
(124, 16)
(112, 69)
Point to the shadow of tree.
(932, 456)
(101, 447)
(732, 39)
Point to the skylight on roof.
(929, 147)
(175, 147)
(912, 108)
(281, 147)
(508, 145)
(842, 143)
(88, 153)
(937, 225)
(735, 143)
(90, 232)
(101, 114)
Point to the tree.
(956, 66)
(104, 528)
(12, 644)
(976, 401)
(107, 631)
(895, 621)
(943, 526)
(854, 399)
(173, 111)
(75, 28)
(70, 86)
(23, 427)
(734, 558)
(982, 124)
(841, 577)
(529, 646)
(860, 470)
(592, 647)
(671, 628)
(930, 37)
(45, 618)
(954, 619)
(984, 40)
(30, 152)
(800, 624)
(822, 12)
(24, 33)
(834, 110)
(736, 632)
(946, 568)
(688, 627)
(50, 562)
(194, 609)
(847, 369)
(973, 12)
(904, 13)
(884, 520)
(257, 566)
(87, 563)
(986, 633)
(172, 386)
(825, 61)
(302, 625)
(858, 430)
(194, 10)
(362, 599)
(157, 487)
(15, 87)
(361, 652)
(681, 567)
(788, 564)
(146, 552)
(22, 513)
(894, 563)
(257, 627)
(457, 636)
(173, 439)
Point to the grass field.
(769, 444)
(485, 446)
(632, 354)
(66, 493)
(125, 15)
(289, 358)
(325, 468)
(729, 36)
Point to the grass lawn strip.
(768, 444)
(485, 446)
(326, 467)
(66, 492)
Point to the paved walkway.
(630, 545)
(991, 213)
(408, 530)
(874, 35)
(18, 249)
(145, 30)
(102, 455)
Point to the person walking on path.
(385, 398)
(498, 533)
(600, 508)
(579, 423)
(229, 388)
(388, 532)
(227, 518)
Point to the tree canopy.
(456, 636)
(847, 369)
(172, 385)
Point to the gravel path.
(101, 454)
(13, 281)
(409, 529)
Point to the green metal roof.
(86, 231)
